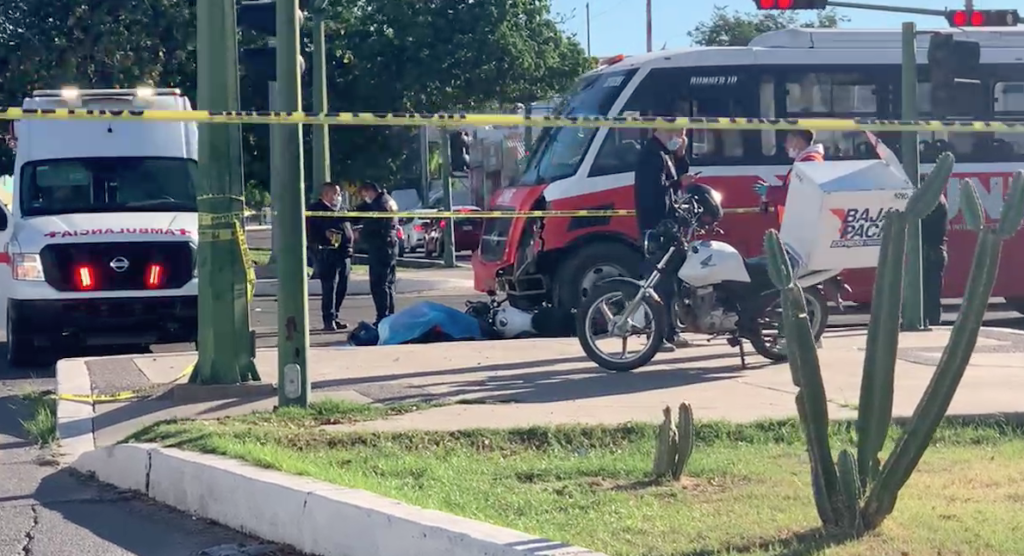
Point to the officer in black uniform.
(933, 261)
(661, 169)
(380, 235)
(330, 241)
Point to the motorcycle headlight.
(27, 266)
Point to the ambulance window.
(835, 95)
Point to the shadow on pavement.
(544, 384)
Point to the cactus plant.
(806, 369)
(665, 450)
(934, 403)
(684, 445)
(839, 490)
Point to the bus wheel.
(1016, 303)
(576, 277)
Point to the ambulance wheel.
(19, 346)
(577, 277)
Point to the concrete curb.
(358, 285)
(312, 516)
(74, 418)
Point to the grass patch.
(41, 427)
(747, 489)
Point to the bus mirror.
(3, 217)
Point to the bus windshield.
(115, 184)
(560, 150)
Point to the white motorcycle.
(717, 292)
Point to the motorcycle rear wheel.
(620, 293)
(817, 308)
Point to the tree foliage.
(734, 28)
(382, 55)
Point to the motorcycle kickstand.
(736, 341)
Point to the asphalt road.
(44, 511)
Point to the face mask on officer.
(332, 196)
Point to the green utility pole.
(321, 137)
(227, 346)
(913, 306)
(292, 318)
(448, 234)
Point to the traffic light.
(458, 141)
(983, 18)
(791, 4)
(260, 16)
(955, 68)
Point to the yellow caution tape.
(206, 218)
(247, 262)
(510, 120)
(126, 394)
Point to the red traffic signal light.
(983, 18)
(791, 4)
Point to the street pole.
(424, 163)
(649, 33)
(292, 318)
(448, 233)
(275, 169)
(321, 137)
(913, 307)
(588, 28)
(225, 342)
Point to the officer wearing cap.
(380, 235)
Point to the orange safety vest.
(814, 153)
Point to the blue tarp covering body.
(428, 321)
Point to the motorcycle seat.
(757, 268)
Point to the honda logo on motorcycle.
(859, 227)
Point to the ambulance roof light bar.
(70, 93)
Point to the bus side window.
(971, 146)
(1009, 97)
(839, 95)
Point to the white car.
(416, 230)
(99, 243)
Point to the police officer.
(657, 174)
(330, 242)
(933, 261)
(380, 236)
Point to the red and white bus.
(826, 73)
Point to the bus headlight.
(27, 266)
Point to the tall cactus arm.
(1013, 208)
(933, 405)
(876, 387)
(812, 405)
(927, 196)
(970, 206)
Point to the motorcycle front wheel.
(608, 348)
(769, 341)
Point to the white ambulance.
(99, 241)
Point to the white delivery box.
(835, 209)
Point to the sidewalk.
(407, 282)
(516, 383)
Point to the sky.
(619, 26)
